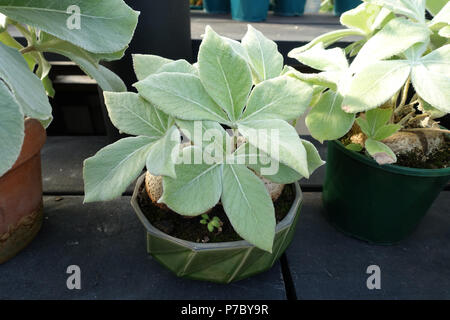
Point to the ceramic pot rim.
(283, 224)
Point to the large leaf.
(112, 169)
(89, 63)
(321, 79)
(11, 129)
(327, 120)
(414, 9)
(279, 140)
(280, 98)
(248, 206)
(180, 95)
(263, 53)
(181, 66)
(327, 39)
(323, 59)
(225, 75)
(133, 115)
(26, 87)
(196, 189)
(163, 155)
(145, 64)
(376, 84)
(431, 78)
(105, 26)
(314, 159)
(365, 18)
(397, 36)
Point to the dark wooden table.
(107, 242)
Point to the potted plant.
(24, 85)
(388, 158)
(289, 7)
(217, 6)
(214, 172)
(249, 10)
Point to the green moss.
(191, 229)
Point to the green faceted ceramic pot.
(223, 262)
(378, 204)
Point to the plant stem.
(405, 92)
(27, 49)
(428, 129)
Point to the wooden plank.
(107, 241)
(326, 264)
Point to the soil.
(191, 229)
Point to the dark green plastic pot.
(340, 6)
(249, 10)
(289, 7)
(378, 204)
(217, 6)
(223, 262)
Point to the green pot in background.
(289, 7)
(217, 6)
(223, 262)
(340, 6)
(249, 10)
(378, 204)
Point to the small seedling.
(212, 223)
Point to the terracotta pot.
(21, 211)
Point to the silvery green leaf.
(147, 64)
(376, 119)
(264, 165)
(248, 206)
(375, 85)
(434, 6)
(380, 152)
(205, 133)
(414, 9)
(279, 140)
(89, 63)
(314, 159)
(225, 75)
(196, 189)
(327, 39)
(133, 115)
(323, 59)
(163, 155)
(26, 87)
(181, 66)
(11, 129)
(280, 98)
(445, 32)
(263, 53)
(431, 78)
(361, 18)
(396, 37)
(112, 169)
(442, 19)
(180, 95)
(322, 79)
(434, 113)
(105, 26)
(8, 40)
(326, 120)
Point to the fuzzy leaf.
(11, 129)
(376, 84)
(146, 64)
(414, 9)
(26, 87)
(248, 206)
(386, 131)
(323, 59)
(327, 120)
(376, 119)
(279, 140)
(263, 53)
(112, 169)
(225, 75)
(205, 133)
(396, 37)
(380, 152)
(279, 98)
(162, 156)
(180, 95)
(196, 189)
(442, 19)
(133, 115)
(181, 66)
(105, 26)
(361, 18)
